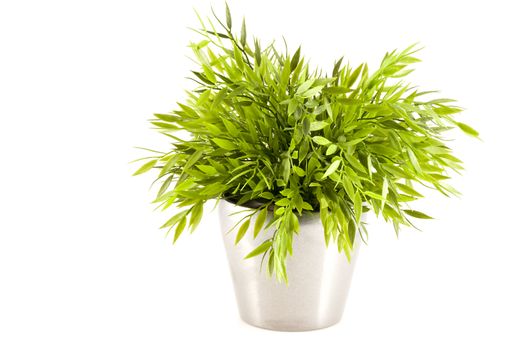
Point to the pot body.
(319, 277)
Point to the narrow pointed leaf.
(263, 247)
(242, 230)
(417, 214)
(260, 221)
(145, 167)
(332, 168)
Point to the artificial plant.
(262, 127)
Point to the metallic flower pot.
(319, 277)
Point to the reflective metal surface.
(319, 277)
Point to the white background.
(82, 262)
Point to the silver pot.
(319, 277)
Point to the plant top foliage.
(264, 126)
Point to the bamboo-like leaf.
(374, 195)
(225, 144)
(408, 190)
(468, 129)
(242, 230)
(260, 221)
(298, 171)
(195, 215)
(336, 68)
(332, 168)
(331, 149)
(243, 38)
(228, 17)
(357, 201)
(257, 52)
(414, 161)
(320, 140)
(417, 214)
(385, 191)
(318, 125)
(145, 167)
(179, 229)
(295, 59)
(262, 248)
(336, 90)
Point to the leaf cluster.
(265, 127)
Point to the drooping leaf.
(260, 221)
(468, 129)
(242, 230)
(263, 247)
(179, 230)
(417, 214)
(145, 167)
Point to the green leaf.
(263, 247)
(306, 206)
(196, 214)
(374, 195)
(385, 191)
(355, 74)
(295, 59)
(243, 38)
(264, 124)
(331, 149)
(468, 129)
(242, 230)
(311, 92)
(179, 230)
(336, 68)
(357, 201)
(257, 52)
(285, 170)
(167, 117)
(408, 190)
(282, 202)
(145, 167)
(260, 221)
(336, 90)
(228, 17)
(207, 169)
(304, 87)
(332, 168)
(320, 140)
(306, 126)
(225, 144)
(414, 161)
(192, 160)
(417, 214)
(298, 171)
(167, 182)
(318, 125)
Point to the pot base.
(318, 278)
(279, 326)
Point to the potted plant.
(295, 158)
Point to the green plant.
(263, 126)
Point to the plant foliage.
(264, 126)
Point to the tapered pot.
(319, 277)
